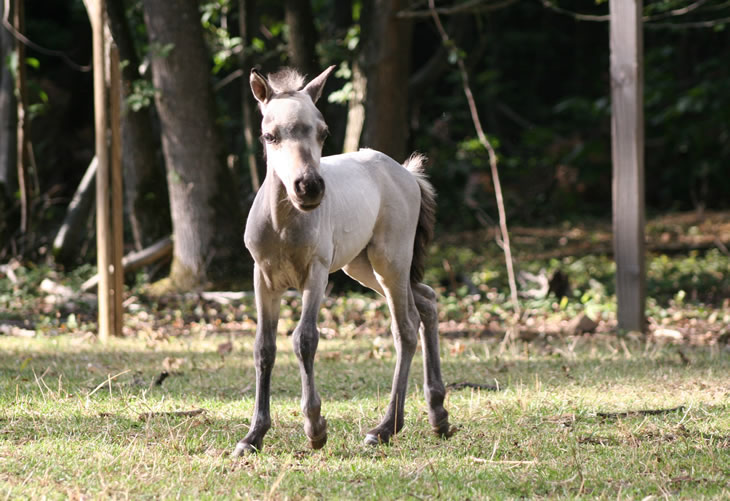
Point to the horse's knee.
(435, 394)
(407, 336)
(424, 291)
(425, 299)
(304, 341)
(264, 357)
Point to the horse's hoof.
(371, 439)
(321, 439)
(318, 443)
(443, 429)
(244, 448)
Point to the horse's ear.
(314, 88)
(260, 87)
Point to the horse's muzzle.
(308, 191)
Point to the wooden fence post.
(627, 126)
(108, 218)
(115, 96)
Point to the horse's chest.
(283, 258)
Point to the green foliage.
(142, 95)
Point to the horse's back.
(374, 166)
(374, 202)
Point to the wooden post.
(103, 240)
(115, 96)
(627, 126)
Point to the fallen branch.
(478, 386)
(642, 412)
(472, 6)
(149, 415)
(505, 461)
(135, 260)
(66, 243)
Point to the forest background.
(539, 73)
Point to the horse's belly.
(348, 247)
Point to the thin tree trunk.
(492, 163)
(336, 112)
(206, 219)
(246, 9)
(145, 188)
(355, 110)
(22, 134)
(385, 61)
(302, 36)
(8, 148)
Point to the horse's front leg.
(268, 304)
(305, 340)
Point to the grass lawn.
(572, 417)
(548, 413)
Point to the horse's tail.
(426, 218)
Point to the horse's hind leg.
(433, 386)
(305, 340)
(395, 282)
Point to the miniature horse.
(361, 212)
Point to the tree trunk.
(337, 113)
(302, 36)
(8, 148)
(385, 62)
(206, 219)
(145, 189)
(246, 19)
(22, 128)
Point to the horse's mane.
(286, 80)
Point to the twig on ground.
(478, 386)
(108, 381)
(149, 415)
(505, 461)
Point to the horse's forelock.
(286, 80)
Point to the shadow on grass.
(341, 373)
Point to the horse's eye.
(323, 134)
(269, 138)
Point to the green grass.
(563, 424)
(69, 428)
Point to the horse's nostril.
(299, 187)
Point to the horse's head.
(293, 132)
